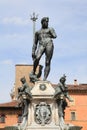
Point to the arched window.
(2, 118)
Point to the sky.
(67, 17)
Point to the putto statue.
(60, 95)
(43, 43)
(24, 98)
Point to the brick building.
(75, 113)
(10, 114)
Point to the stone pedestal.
(43, 111)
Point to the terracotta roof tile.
(82, 87)
(9, 104)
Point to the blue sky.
(67, 17)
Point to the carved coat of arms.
(43, 113)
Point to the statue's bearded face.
(45, 24)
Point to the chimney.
(75, 82)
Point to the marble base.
(67, 127)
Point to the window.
(2, 118)
(19, 118)
(73, 116)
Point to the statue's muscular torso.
(45, 36)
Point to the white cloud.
(15, 20)
(7, 62)
(14, 36)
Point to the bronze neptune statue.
(43, 43)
